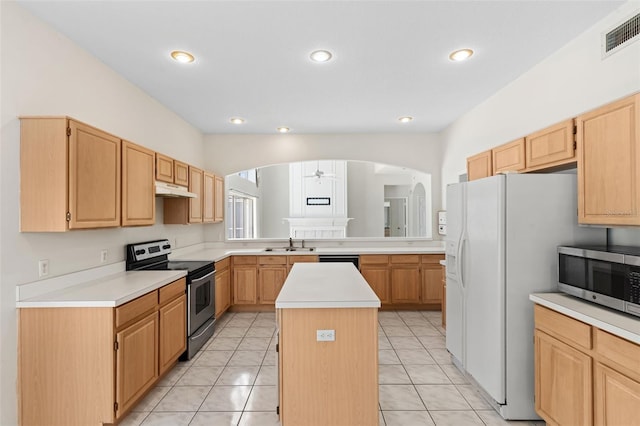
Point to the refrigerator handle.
(459, 262)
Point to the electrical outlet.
(43, 268)
(325, 335)
(103, 256)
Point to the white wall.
(415, 151)
(43, 73)
(571, 81)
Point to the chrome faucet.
(290, 243)
(302, 243)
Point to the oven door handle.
(203, 278)
(203, 331)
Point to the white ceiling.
(252, 57)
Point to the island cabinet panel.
(480, 166)
(328, 383)
(608, 153)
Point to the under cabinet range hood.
(164, 189)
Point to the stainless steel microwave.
(609, 276)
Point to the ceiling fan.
(319, 174)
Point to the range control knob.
(166, 246)
(139, 252)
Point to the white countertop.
(622, 325)
(220, 253)
(109, 291)
(326, 285)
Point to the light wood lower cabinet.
(272, 271)
(82, 366)
(431, 283)
(223, 287)
(584, 375)
(375, 270)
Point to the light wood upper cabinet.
(552, 146)
(508, 157)
(138, 190)
(208, 197)
(195, 186)
(180, 173)
(69, 176)
(479, 166)
(608, 151)
(164, 168)
(218, 212)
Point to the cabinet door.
(508, 157)
(552, 146)
(562, 382)
(378, 279)
(136, 360)
(223, 292)
(608, 141)
(195, 186)
(432, 284)
(208, 198)
(616, 397)
(173, 331)
(270, 280)
(219, 199)
(444, 298)
(138, 187)
(245, 281)
(164, 168)
(479, 166)
(405, 284)
(180, 173)
(94, 177)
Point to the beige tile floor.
(232, 381)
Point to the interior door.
(484, 276)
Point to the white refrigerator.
(501, 245)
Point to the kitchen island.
(328, 347)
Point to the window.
(241, 216)
(251, 175)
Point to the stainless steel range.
(154, 255)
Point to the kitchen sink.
(278, 249)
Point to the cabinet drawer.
(562, 327)
(245, 260)
(620, 351)
(136, 307)
(405, 258)
(432, 258)
(301, 259)
(170, 291)
(377, 259)
(223, 264)
(272, 260)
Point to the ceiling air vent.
(621, 36)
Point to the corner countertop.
(110, 291)
(217, 254)
(326, 285)
(617, 323)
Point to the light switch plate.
(325, 335)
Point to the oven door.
(201, 293)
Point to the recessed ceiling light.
(182, 56)
(237, 120)
(405, 119)
(460, 55)
(284, 129)
(320, 56)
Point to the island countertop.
(326, 285)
